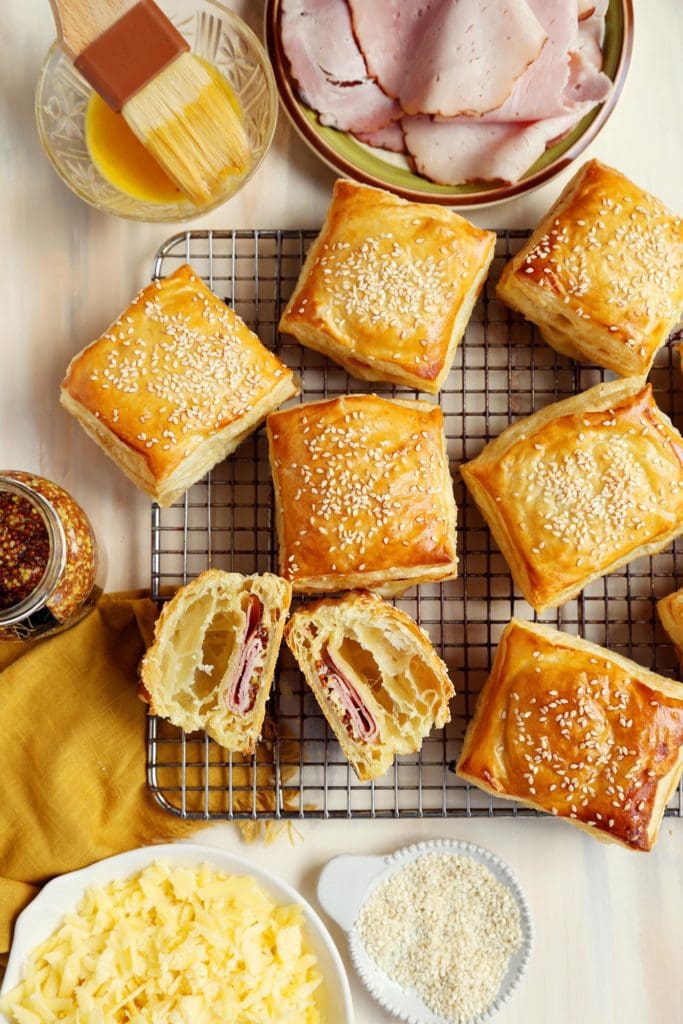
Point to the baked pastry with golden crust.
(216, 644)
(580, 488)
(602, 274)
(670, 611)
(567, 727)
(374, 673)
(363, 494)
(174, 385)
(389, 286)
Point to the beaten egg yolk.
(121, 158)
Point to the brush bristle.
(187, 122)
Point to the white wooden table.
(608, 923)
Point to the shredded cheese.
(172, 945)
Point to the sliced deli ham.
(469, 55)
(388, 34)
(454, 152)
(329, 68)
(357, 717)
(390, 138)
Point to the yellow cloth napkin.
(72, 752)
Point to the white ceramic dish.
(347, 881)
(37, 922)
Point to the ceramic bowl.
(347, 882)
(37, 922)
(353, 159)
(214, 33)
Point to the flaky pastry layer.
(567, 727)
(363, 494)
(580, 488)
(374, 673)
(389, 286)
(602, 274)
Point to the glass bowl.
(214, 33)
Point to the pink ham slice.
(241, 692)
(329, 68)
(388, 33)
(361, 723)
(469, 55)
(547, 88)
(390, 138)
(453, 152)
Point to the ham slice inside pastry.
(329, 68)
(242, 689)
(356, 716)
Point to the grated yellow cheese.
(172, 946)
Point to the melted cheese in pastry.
(580, 488)
(602, 275)
(571, 728)
(363, 493)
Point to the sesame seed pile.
(446, 928)
(386, 284)
(359, 486)
(198, 375)
(639, 270)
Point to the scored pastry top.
(580, 487)
(578, 731)
(176, 367)
(602, 275)
(385, 283)
(363, 491)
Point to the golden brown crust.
(570, 728)
(580, 488)
(363, 494)
(602, 275)
(390, 663)
(174, 385)
(389, 286)
(670, 611)
(188, 673)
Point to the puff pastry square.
(670, 611)
(174, 385)
(363, 494)
(216, 644)
(565, 726)
(580, 488)
(389, 286)
(374, 673)
(602, 274)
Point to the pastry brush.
(136, 59)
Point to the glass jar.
(51, 573)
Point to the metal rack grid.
(502, 371)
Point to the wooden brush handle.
(80, 22)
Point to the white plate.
(37, 922)
(347, 881)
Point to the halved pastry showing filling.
(374, 673)
(212, 661)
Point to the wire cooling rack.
(502, 371)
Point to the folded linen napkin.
(72, 752)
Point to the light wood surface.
(608, 922)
